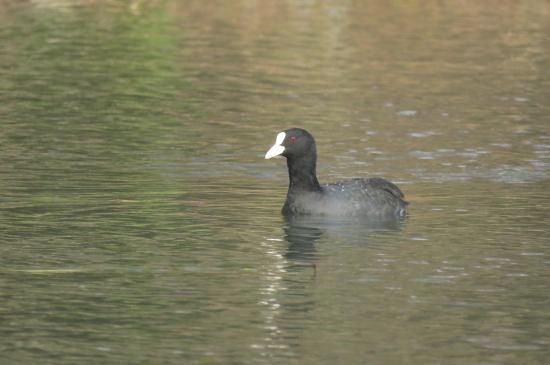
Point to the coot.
(372, 197)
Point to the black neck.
(301, 174)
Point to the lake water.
(140, 224)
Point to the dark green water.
(139, 222)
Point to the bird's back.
(372, 197)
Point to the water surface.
(139, 222)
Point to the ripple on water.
(422, 134)
(407, 113)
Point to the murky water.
(139, 222)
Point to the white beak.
(277, 148)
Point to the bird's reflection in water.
(291, 298)
(302, 233)
(301, 236)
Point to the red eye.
(292, 139)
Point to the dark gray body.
(369, 197)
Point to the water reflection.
(302, 232)
(301, 238)
(295, 282)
